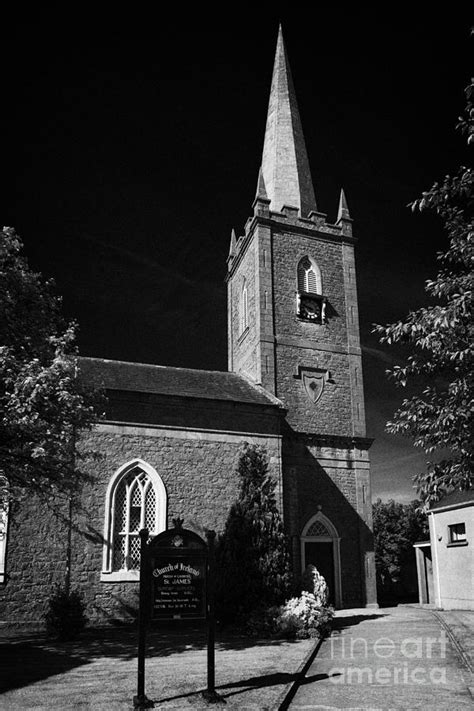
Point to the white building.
(450, 554)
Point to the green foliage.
(42, 403)
(440, 336)
(65, 617)
(303, 617)
(396, 528)
(253, 562)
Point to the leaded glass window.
(317, 528)
(134, 508)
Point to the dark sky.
(133, 143)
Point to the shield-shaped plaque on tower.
(314, 383)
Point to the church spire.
(285, 166)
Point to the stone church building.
(172, 437)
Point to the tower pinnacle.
(261, 189)
(233, 245)
(343, 210)
(285, 165)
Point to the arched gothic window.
(4, 502)
(244, 308)
(135, 499)
(309, 276)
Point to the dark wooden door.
(321, 555)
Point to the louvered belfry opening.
(307, 277)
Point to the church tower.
(293, 328)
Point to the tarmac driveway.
(397, 658)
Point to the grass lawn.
(99, 671)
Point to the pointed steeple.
(343, 211)
(285, 166)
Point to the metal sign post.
(210, 694)
(140, 701)
(176, 583)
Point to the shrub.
(302, 617)
(262, 622)
(252, 554)
(65, 617)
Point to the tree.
(441, 340)
(253, 559)
(43, 405)
(396, 528)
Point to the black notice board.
(178, 566)
(179, 588)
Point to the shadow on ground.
(340, 623)
(256, 682)
(24, 662)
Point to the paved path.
(460, 627)
(397, 658)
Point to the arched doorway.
(320, 547)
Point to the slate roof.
(167, 380)
(454, 498)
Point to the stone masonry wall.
(198, 469)
(243, 344)
(332, 413)
(312, 345)
(333, 480)
(288, 249)
(36, 559)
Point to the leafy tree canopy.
(440, 336)
(396, 528)
(42, 403)
(252, 553)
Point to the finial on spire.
(285, 165)
(343, 211)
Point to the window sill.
(310, 320)
(456, 544)
(120, 576)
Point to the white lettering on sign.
(170, 568)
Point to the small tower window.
(244, 310)
(309, 276)
(310, 303)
